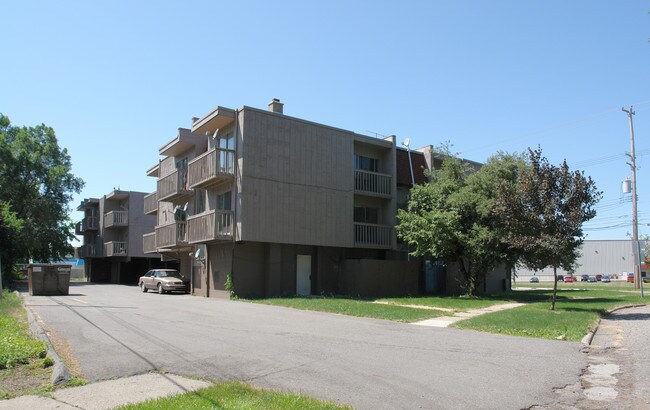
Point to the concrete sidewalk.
(109, 394)
(444, 321)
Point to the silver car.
(163, 281)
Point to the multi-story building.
(112, 229)
(284, 206)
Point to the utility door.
(303, 275)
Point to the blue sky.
(116, 79)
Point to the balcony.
(372, 236)
(90, 251)
(77, 229)
(149, 243)
(372, 183)
(210, 226)
(173, 235)
(116, 219)
(151, 203)
(211, 167)
(115, 249)
(173, 186)
(89, 223)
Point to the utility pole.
(635, 221)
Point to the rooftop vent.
(276, 106)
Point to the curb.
(60, 372)
(586, 341)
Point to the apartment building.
(285, 206)
(112, 229)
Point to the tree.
(36, 185)
(451, 218)
(543, 214)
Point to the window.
(367, 215)
(223, 201)
(227, 141)
(200, 201)
(365, 163)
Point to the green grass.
(235, 395)
(577, 311)
(17, 345)
(457, 303)
(353, 307)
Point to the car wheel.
(143, 287)
(160, 289)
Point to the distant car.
(606, 279)
(534, 279)
(584, 278)
(592, 279)
(560, 278)
(569, 279)
(599, 277)
(630, 277)
(163, 281)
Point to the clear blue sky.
(116, 79)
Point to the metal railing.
(210, 166)
(149, 243)
(372, 182)
(115, 248)
(210, 226)
(151, 203)
(173, 184)
(171, 235)
(372, 235)
(116, 218)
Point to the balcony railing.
(115, 249)
(89, 223)
(173, 186)
(372, 183)
(151, 203)
(212, 166)
(210, 226)
(90, 251)
(171, 235)
(116, 219)
(372, 236)
(149, 243)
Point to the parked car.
(599, 277)
(560, 278)
(630, 277)
(584, 278)
(534, 279)
(569, 279)
(606, 279)
(163, 281)
(592, 279)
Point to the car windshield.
(169, 274)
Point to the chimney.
(194, 119)
(276, 106)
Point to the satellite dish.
(406, 142)
(185, 207)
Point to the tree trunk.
(554, 287)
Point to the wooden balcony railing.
(210, 226)
(149, 243)
(173, 185)
(372, 183)
(116, 219)
(210, 167)
(171, 235)
(89, 223)
(372, 236)
(151, 203)
(90, 251)
(115, 249)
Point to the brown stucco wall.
(367, 277)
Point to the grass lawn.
(23, 366)
(457, 303)
(235, 396)
(353, 307)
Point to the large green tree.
(451, 218)
(36, 185)
(544, 212)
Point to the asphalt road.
(116, 331)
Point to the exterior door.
(303, 275)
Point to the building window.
(363, 214)
(227, 141)
(365, 163)
(200, 200)
(223, 201)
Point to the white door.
(303, 275)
